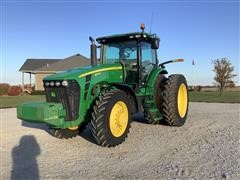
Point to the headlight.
(46, 83)
(65, 83)
(51, 83)
(57, 83)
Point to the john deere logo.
(53, 94)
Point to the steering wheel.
(133, 66)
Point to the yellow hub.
(182, 100)
(73, 128)
(118, 119)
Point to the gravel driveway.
(207, 146)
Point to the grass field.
(227, 97)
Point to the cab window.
(148, 59)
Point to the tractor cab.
(137, 52)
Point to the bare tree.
(223, 72)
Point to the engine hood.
(78, 73)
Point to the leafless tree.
(223, 72)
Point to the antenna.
(151, 22)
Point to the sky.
(199, 30)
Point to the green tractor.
(126, 79)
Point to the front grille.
(68, 95)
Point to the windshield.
(120, 51)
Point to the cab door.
(149, 60)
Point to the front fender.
(91, 83)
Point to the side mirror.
(155, 43)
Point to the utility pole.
(193, 74)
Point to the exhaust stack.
(93, 49)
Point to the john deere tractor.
(125, 79)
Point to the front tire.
(111, 118)
(175, 100)
(63, 133)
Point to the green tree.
(223, 72)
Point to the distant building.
(44, 67)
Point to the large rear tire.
(111, 118)
(175, 100)
(157, 95)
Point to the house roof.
(33, 64)
(74, 61)
(54, 65)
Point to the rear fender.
(152, 78)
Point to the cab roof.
(125, 37)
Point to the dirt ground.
(207, 146)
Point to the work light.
(64, 83)
(57, 83)
(51, 83)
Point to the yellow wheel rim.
(182, 100)
(118, 119)
(73, 128)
